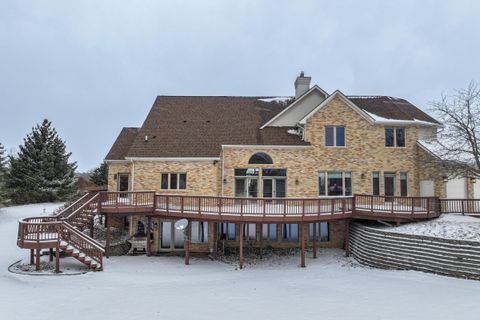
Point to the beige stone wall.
(113, 170)
(202, 176)
(364, 153)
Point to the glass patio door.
(389, 180)
(274, 188)
(171, 238)
(123, 184)
(246, 187)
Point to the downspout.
(133, 174)
(223, 168)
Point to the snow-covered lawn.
(331, 287)
(451, 226)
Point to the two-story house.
(312, 145)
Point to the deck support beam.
(347, 238)
(302, 245)
(314, 244)
(57, 257)
(241, 245)
(186, 244)
(107, 236)
(37, 260)
(148, 248)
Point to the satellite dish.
(181, 224)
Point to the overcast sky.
(93, 67)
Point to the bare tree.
(459, 138)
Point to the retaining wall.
(389, 250)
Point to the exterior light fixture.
(473, 179)
(445, 179)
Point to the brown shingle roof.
(123, 142)
(391, 108)
(198, 126)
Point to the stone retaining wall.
(389, 250)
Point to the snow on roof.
(380, 119)
(276, 99)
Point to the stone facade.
(363, 154)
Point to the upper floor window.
(394, 137)
(173, 181)
(335, 136)
(260, 158)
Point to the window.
(403, 184)
(321, 231)
(376, 183)
(395, 137)
(335, 183)
(249, 231)
(246, 182)
(269, 232)
(335, 136)
(173, 181)
(290, 232)
(199, 233)
(227, 231)
(260, 158)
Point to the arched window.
(260, 158)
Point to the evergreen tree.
(99, 175)
(3, 175)
(40, 171)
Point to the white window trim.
(326, 184)
(335, 136)
(395, 137)
(169, 174)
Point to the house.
(311, 145)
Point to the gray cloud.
(95, 66)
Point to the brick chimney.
(302, 84)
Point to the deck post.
(57, 257)
(107, 236)
(37, 260)
(215, 239)
(32, 257)
(186, 244)
(314, 245)
(302, 245)
(241, 245)
(149, 223)
(92, 226)
(347, 238)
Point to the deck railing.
(253, 206)
(463, 206)
(400, 205)
(127, 199)
(80, 241)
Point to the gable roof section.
(340, 95)
(380, 110)
(198, 126)
(122, 144)
(295, 103)
(391, 108)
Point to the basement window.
(290, 232)
(173, 181)
(199, 232)
(322, 231)
(269, 232)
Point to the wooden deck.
(63, 232)
(270, 210)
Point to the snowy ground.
(331, 287)
(451, 226)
